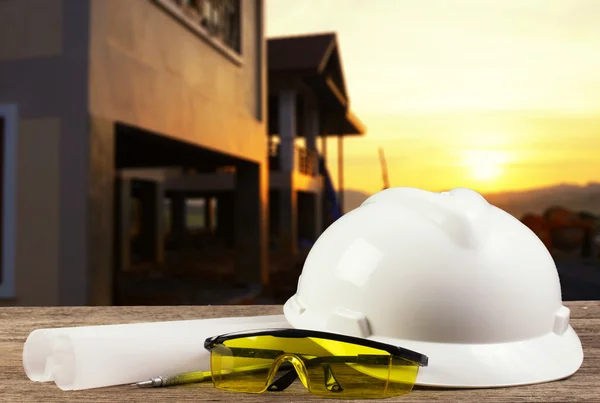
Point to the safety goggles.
(327, 364)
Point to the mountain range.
(518, 203)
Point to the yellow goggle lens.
(328, 368)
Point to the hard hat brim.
(543, 359)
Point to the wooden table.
(16, 323)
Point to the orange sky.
(493, 95)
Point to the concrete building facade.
(116, 114)
(94, 86)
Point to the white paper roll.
(88, 357)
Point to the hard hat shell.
(447, 275)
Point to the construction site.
(572, 239)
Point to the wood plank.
(584, 386)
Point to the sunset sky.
(492, 95)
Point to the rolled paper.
(88, 357)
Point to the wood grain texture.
(17, 323)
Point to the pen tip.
(145, 384)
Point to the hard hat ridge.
(462, 214)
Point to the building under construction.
(154, 153)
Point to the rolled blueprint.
(88, 357)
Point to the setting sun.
(485, 165)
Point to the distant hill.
(517, 203)
(573, 197)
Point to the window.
(8, 190)
(219, 21)
(200, 214)
(195, 214)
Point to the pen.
(197, 376)
(180, 379)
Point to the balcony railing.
(306, 160)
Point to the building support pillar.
(311, 128)
(311, 133)
(209, 211)
(325, 220)
(100, 217)
(288, 200)
(122, 224)
(225, 219)
(178, 221)
(159, 217)
(149, 243)
(341, 172)
(251, 223)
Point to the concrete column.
(288, 220)
(287, 130)
(178, 212)
(288, 204)
(251, 223)
(311, 127)
(122, 224)
(225, 219)
(159, 210)
(101, 177)
(323, 201)
(86, 161)
(311, 133)
(317, 217)
(209, 208)
(308, 210)
(147, 243)
(341, 172)
(32, 212)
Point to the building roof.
(308, 52)
(316, 59)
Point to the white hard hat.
(447, 275)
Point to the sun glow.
(485, 165)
